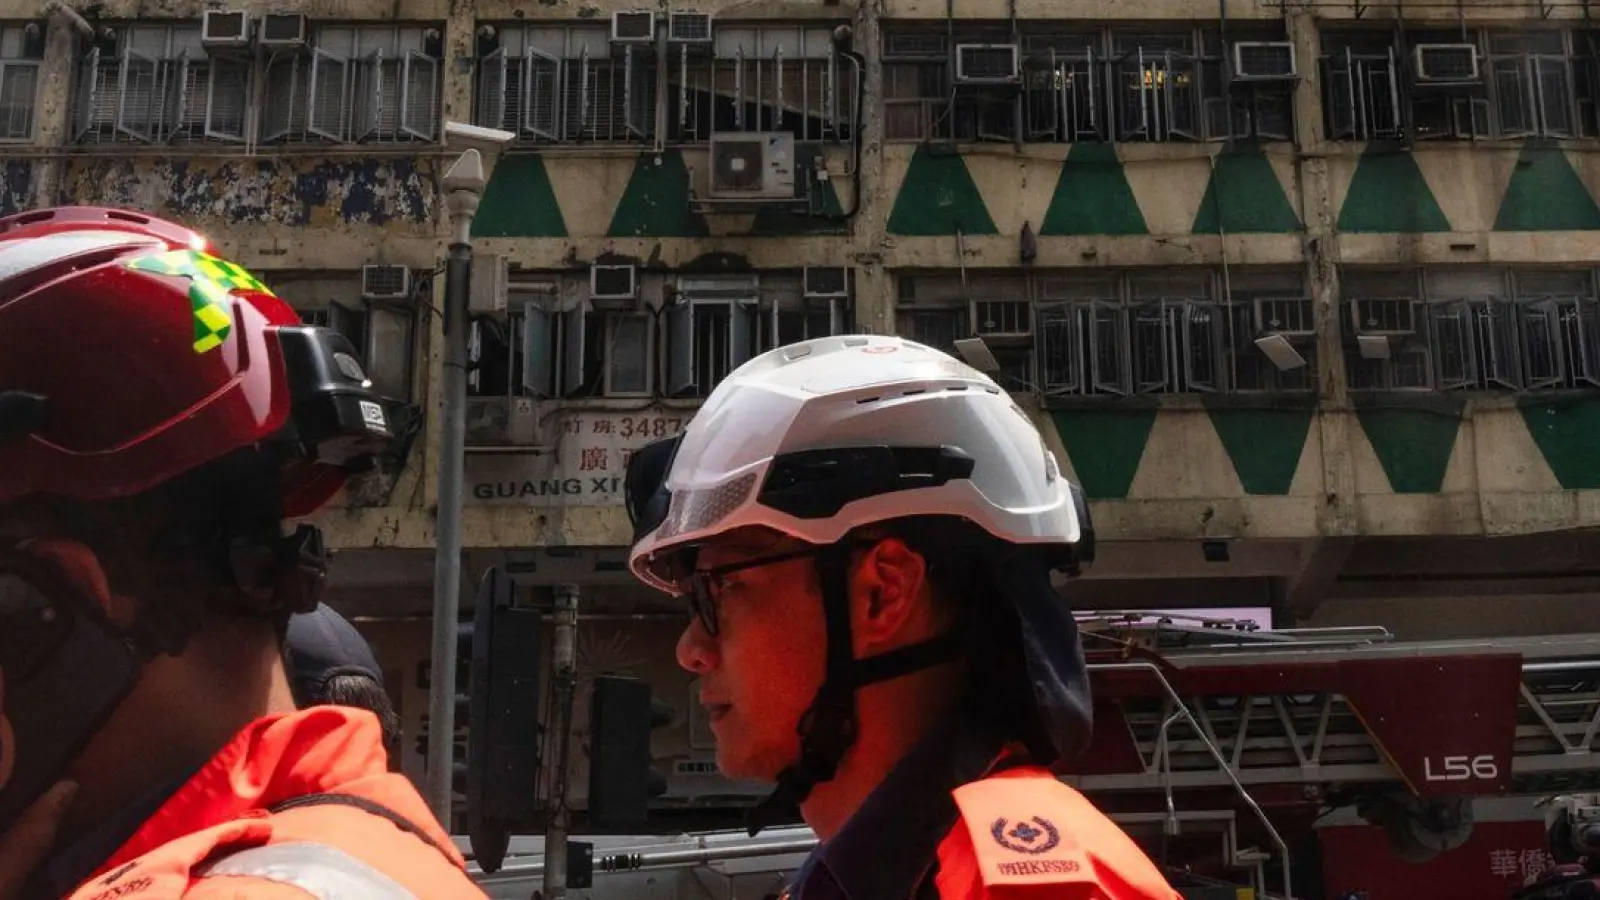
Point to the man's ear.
(887, 597)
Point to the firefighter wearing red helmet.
(162, 414)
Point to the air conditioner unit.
(385, 283)
(986, 63)
(225, 29)
(613, 282)
(489, 285)
(689, 27)
(1264, 61)
(633, 27)
(1288, 316)
(825, 282)
(1445, 63)
(752, 165)
(282, 31)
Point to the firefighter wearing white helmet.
(864, 529)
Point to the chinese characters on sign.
(586, 467)
(1520, 866)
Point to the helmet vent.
(913, 392)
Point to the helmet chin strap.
(828, 726)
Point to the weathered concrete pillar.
(1335, 424)
(875, 291)
(53, 107)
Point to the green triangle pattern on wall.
(1389, 194)
(1545, 194)
(1245, 196)
(1413, 442)
(939, 197)
(1092, 195)
(656, 202)
(1105, 446)
(1567, 432)
(518, 201)
(1264, 444)
(781, 223)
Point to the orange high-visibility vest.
(1024, 834)
(296, 805)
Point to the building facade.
(1304, 294)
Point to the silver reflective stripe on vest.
(324, 872)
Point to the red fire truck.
(1221, 746)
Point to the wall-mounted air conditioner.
(282, 31)
(1383, 316)
(825, 282)
(225, 29)
(1445, 63)
(1264, 61)
(689, 27)
(633, 27)
(614, 282)
(490, 275)
(986, 63)
(385, 283)
(752, 165)
(1288, 316)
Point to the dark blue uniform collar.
(885, 849)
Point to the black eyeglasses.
(703, 587)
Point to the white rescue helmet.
(918, 432)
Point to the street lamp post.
(464, 182)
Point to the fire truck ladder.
(1347, 715)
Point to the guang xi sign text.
(585, 468)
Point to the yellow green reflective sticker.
(211, 280)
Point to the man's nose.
(696, 650)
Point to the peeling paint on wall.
(325, 194)
(15, 193)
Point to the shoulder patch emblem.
(1031, 837)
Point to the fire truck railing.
(1271, 735)
(1180, 711)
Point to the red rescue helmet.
(130, 354)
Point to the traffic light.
(504, 736)
(622, 780)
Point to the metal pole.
(463, 185)
(564, 644)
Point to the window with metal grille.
(555, 342)
(21, 48)
(1454, 85)
(768, 78)
(156, 83)
(567, 84)
(1112, 335)
(1473, 329)
(706, 327)
(711, 330)
(355, 84)
(1077, 85)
